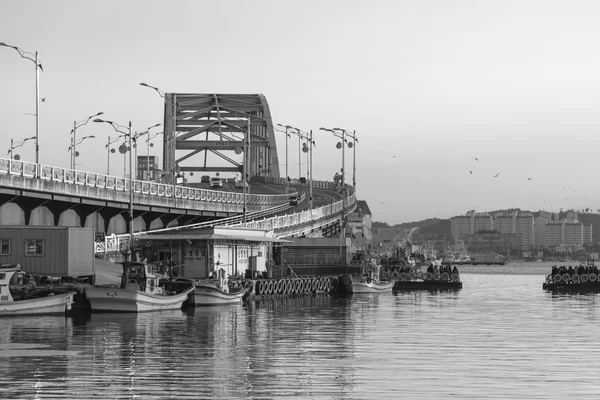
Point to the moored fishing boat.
(214, 292)
(141, 290)
(368, 283)
(47, 300)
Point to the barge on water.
(581, 278)
(436, 277)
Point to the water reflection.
(501, 337)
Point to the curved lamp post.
(38, 67)
(169, 136)
(72, 149)
(342, 215)
(351, 135)
(160, 92)
(108, 151)
(127, 134)
(74, 138)
(136, 136)
(14, 145)
(287, 135)
(307, 148)
(148, 145)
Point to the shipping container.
(57, 251)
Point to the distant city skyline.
(457, 105)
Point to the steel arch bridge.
(201, 130)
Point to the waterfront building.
(524, 225)
(587, 233)
(539, 235)
(554, 234)
(517, 222)
(572, 217)
(494, 242)
(470, 223)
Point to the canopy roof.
(215, 233)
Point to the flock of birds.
(495, 176)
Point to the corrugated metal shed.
(49, 250)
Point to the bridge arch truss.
(203, 129)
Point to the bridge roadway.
(102, 201)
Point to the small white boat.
(40, 301)
(369, 283)
(214, 292)
(140, 291)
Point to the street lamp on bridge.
(72, 150)
(38, 67)
(74, 142)
(287, 135)
(118, 128)
(109, 150)
(341, 145)
(160, 92)
(170, 137)
(351, 135)
(136, 136)
(14, 145)
(307, 148)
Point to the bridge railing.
(289, 221)
(303, 217)
(120, 184)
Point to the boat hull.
(427, 285)
(55, 304)
(360, 284)
(124, 300)
(206, 295)
(572, 287)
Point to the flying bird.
(529, 178)
(495, 176)
(43, 99)
(477, 159)
(471, 172)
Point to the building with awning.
(200, 253)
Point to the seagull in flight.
(477, 159)
(43, 99)
(495, 176)
(471, 172)
(529, 178)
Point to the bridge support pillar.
(107, 214)
(28, 204)
(167, 219)
(57, 208)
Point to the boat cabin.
(141, 276)
(10, 274)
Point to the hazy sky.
(427, 85)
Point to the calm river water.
(500, 337)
